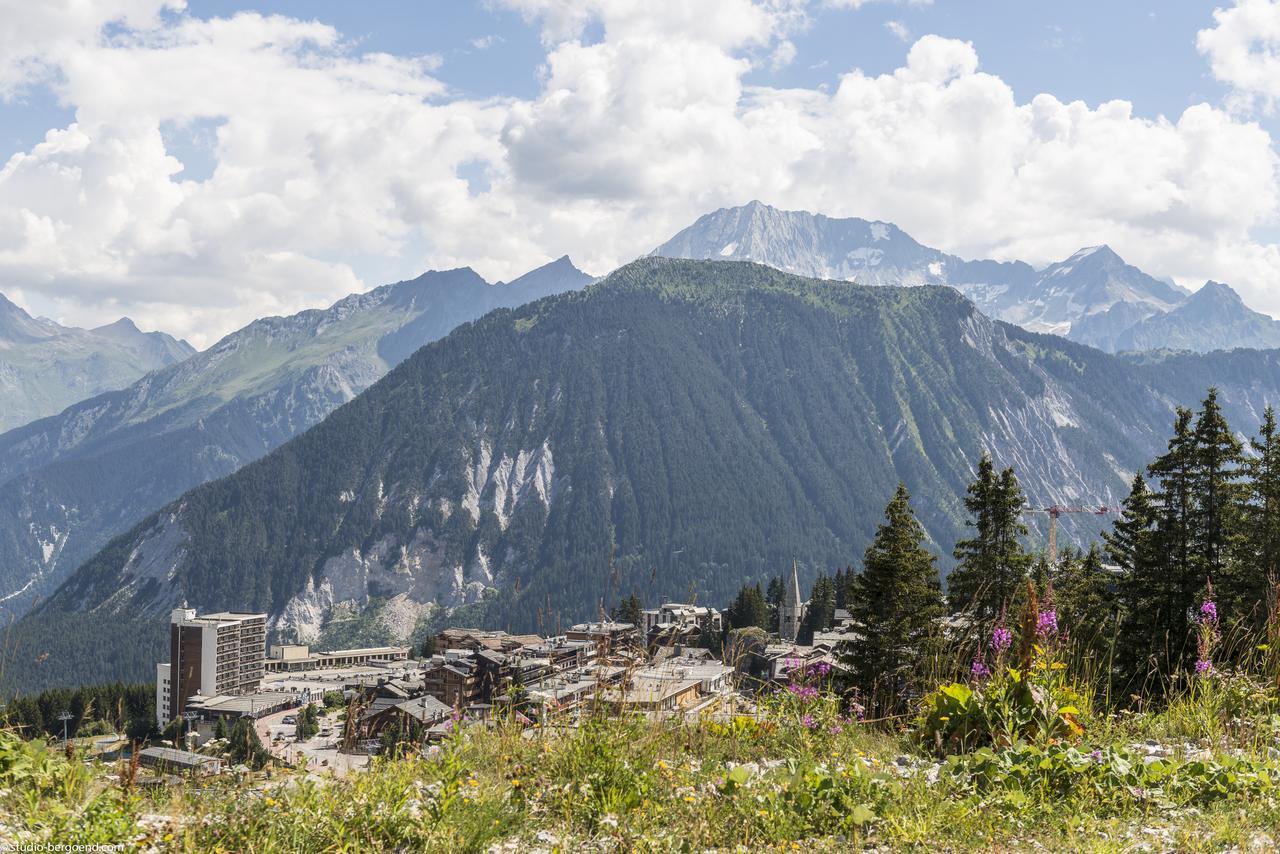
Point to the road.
(320, 753)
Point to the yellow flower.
(688, 798)
(473, 782)
(515, 783)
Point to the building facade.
(218, 654)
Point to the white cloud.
(33, 36)
(326, 157)
(858, 4)
(1243, 49)
(898, 29)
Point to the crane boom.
(1056, 510)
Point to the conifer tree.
(1142, 588)
(1219, 493)
(1085, 603)
(749, 609)
(897, 603)
(822, 609)
(774, 597)
(1260, 558)
(1176, 472)
(992, 563)
(629, 611)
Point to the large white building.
(218, 654)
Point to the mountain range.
(675, 430)
(1092, 297)
(70, 482)
(45, 367)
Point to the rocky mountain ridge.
(1092, 297)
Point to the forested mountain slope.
(70, 482)
(701, 422)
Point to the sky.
(197, 165)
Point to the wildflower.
(979, 670)
(804, 692)
(1047, 624)
(836, 729)
(515, 782)
(1207, 635)
(807, 722)
(1001, 639)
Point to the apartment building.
(219, 654)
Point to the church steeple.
(791, 613)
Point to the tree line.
(1202, 519)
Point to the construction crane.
(1056, 510)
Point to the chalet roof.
(425, 709)
(178, 758)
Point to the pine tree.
(748, 609)
(1260, 558)
(220, 728)
(1176, 472)
(821, 612)
(629, 611)
(1142, 588)
(1219, 494)
(774, 597)
(1085, 600)
(898, 601)
(992, 563)
(244, 745)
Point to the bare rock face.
(70, 482)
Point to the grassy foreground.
(1200, 775)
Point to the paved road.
(320, 753)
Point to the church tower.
(791, 612)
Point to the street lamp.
(65, 717)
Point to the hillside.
(45, 367)
(704, 422)
(69, 483)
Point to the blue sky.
(209, 162)
(1140, 51)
